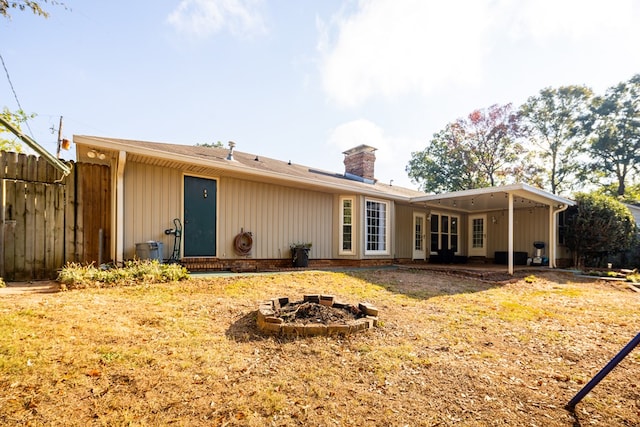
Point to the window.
(376, 222)
(562, 228)
(444, 232)
(477, 233)
(346, 226)
(418, 233)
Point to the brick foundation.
(249, 264)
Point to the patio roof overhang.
(492, 199)
(507, 197)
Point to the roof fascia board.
(111, 145)
(520, 190)
(542, 196)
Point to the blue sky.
(304, 80)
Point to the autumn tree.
(478, 150)
(493, 137)
(614, 126)
(552, 122)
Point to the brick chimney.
(359, 162)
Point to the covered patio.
(501, 202)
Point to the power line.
(15, 95)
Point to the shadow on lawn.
(425, 284)
(245, 329)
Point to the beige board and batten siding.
(404, 231)
(277, 216)
(531, 225)
(152, 199)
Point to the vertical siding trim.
(278, 216)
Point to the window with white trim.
(346, 226)
(376, 227)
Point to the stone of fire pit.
(365, 316)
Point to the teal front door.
(199, 216)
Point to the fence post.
(2, 245)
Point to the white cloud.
(203, 18)
(357, 132)
(576, 19)
(391, 48)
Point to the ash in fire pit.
(315, 315)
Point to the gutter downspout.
(119, 208)
(56, 163)
(552, 233)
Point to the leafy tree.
(631, 193)
(478, 150)
(32, 5)
(552, 120)
(598, 226)
(614, 123)
(11, 143)
(446, 164)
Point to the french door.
(444, 233)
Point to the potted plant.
(300, 254)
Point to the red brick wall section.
(361, 164)
(249, 265)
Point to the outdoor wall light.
(92, 154)
(494, 220)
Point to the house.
(350, 218)
(635, 211)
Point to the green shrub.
(76, 276)
(2, 284)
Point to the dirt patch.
(310, 312)
(448, 351)
(40, 287)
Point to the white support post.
(119, 208)
(510, 232)
(552, 238)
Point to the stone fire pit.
(315, 315)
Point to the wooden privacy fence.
(47, 220)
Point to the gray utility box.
(149, 250)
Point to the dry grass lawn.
(448, 351)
